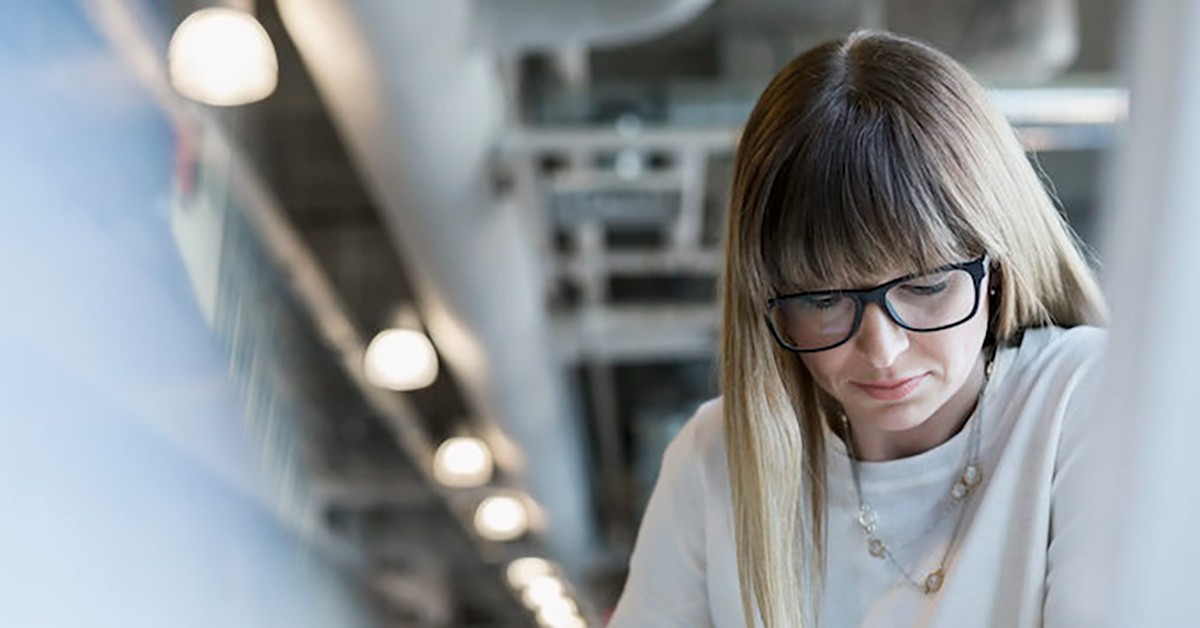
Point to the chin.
(896, 417)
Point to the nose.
(879, 339)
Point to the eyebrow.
(895, 278)
(861, 285)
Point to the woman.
(904, 328)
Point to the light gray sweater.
(1017, 559)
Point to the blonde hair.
(864, 154)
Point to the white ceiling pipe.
(517, 25)
(419, 107)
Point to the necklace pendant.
(972, 475)
(867, 518)
(960, 490)
(933, 582)
(876, 547)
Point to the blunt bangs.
(861, 196)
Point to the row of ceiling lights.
(223, 57)
(404, 359)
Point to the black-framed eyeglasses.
(942, 298)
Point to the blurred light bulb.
(572, 621)
(556, 611)
(540, 590)
(501, 518)
(522, 571)
(463, 462)
(222, 56)
(400, 359)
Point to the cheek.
(824, 367)
(975, 330)
(957, 348)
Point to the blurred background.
(381, 313)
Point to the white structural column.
(420, 107)
(1148, 410)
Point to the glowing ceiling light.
(501, 518)
(463, 462)
(541, 590)
(522, 571)
(222, 56)
(572, 621)
(400, 359)
(557, 611)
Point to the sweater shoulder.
(1048, 350)
(701, 440)
(708, 424)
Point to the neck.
(941, 426)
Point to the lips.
(891, 390)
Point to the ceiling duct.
(1008, 42)
(1035, 41)
(509, 26)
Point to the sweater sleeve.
(666, 583)
(1076, 561)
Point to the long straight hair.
(866, 154)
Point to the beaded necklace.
(960, 491)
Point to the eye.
(817, 301)
(926, 289)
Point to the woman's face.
(903, 391)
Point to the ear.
(995, 285)
(995, 275)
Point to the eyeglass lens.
(813, 321)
